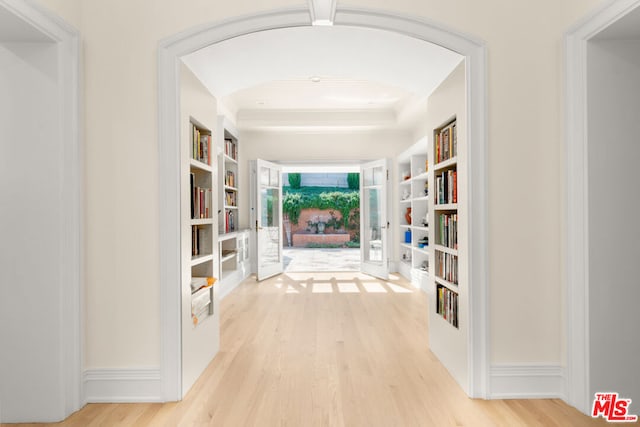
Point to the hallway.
(328, 349)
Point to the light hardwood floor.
(328, 349)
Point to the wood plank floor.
(327, 349)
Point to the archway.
(169, 54)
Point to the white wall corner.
(524, 381)
(122, 385)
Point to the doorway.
(603, 59)
(39, 84)
(170, 52)
(321, 208)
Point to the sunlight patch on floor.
(348, 288)
(398, 289)
(322, 288)
(374, 288)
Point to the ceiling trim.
(322, 12)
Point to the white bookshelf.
(415, 255)
(449, 312)
(228, 165)
(233, 243)
(202, 208)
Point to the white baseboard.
(122, 385)
(530, 381)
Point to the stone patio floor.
(310, 259)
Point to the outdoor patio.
(311, 259)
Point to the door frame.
(71, 256)
(171, 49)
(576, 195)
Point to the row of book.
(201, 243)
(230, 198)
(448, 228)
(230, 179)
(447, 266)
(446, 143)
(201, 199)
(200, 145)
(229, 221)
(447, 305)
(447, 187)
(231, 148)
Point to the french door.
(268, 218)
(374, 218)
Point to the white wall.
(31, 351)
(614, 217)
(524, 42)
(199, 344)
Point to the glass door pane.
(268, 219)
(374, 223)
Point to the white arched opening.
(169, 54)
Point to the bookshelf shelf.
(446, 249)
(446, 164)
(423, 176)
(228, 257)
(424, 250)
(202, 221)
(230, 159)
(201, 259)
(446, 283)
(446, 207)
(200, 165)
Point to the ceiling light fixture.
(315, 79)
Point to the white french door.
(268, 218)
(374, 218)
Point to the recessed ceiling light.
(315, 79)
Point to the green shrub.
(294, 180)
(342, 201)
(353, 180)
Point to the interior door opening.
(321, 211)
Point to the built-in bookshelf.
(233, 243)
(414, 223)
(446, 265)
(440, 197)
(201, 213)
(228, 162)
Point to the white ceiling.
(14, 30)
(626, 28)
(260, 75)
